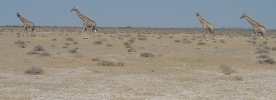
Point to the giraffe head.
(197, 14)
(243, 15)
(74, 9)
(18, 15)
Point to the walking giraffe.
(27, 24)
(86, 22)
(206, 26)
(257, 28)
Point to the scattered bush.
(176, 40)
(266, 60)
(65, 46)
(262, 50)
(253, 42)
(227, 70)
(109, 45)
(45, 54)
(201, 43)
(38, 48)
(69, 39)
(54, 39)
(19, 42)
(97, 42)
(263, 56)
(222, 41)
(34, 71)
(147, 55)
(106, 63)
(75, 42)
(131, 50)
(187, 41)
(126, 43)
(73, 51)
(32, 52)
(67, 43)
(131, 40)
(274, 48)
(238, 78)
(22, 45)
(142, 38)
(120, 63)
(95, 59)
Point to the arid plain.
(136, 64)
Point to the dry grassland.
(136, 64)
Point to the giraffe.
(86, 22)
(27, 24)
(257, 28)
(206, 26)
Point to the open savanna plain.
(136, 64)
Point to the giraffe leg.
(252, 35)
(83, 29)
(213, 35)
(204, 33)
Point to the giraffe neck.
(81, 15)
(23, 19)
(251, 21)
(203, 21)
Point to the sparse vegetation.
(32, 52)
(75, 42)
(109, 45)
(201, 43)
(54, 39)
(45, 54)
(176, 40)
(67, 43)
(69, 39)
(19, 42)
(95, 59)
(38, 48)
(145, 54)
(34, 71)
(227, 70)
(261, 50)
(274, 48)
(106, 63)
(266, 60)
(73, 51)
(238, 78)
(97, 42)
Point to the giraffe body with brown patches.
(27, 24)
(257, 28)
(206, 26)
(86, 22)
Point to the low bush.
(34, 71)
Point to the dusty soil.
(181, 68)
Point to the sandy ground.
(179, 69)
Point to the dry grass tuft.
(145, 54)
(69, 39)
(19, 42)
(106, 63)
(97, 42)
(201, 43)
(73, 51)
(227, 70)
(38, 48)
(95, 59)
(45, 54)
(238, 78)
(34, 71)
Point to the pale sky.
(140, 13)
